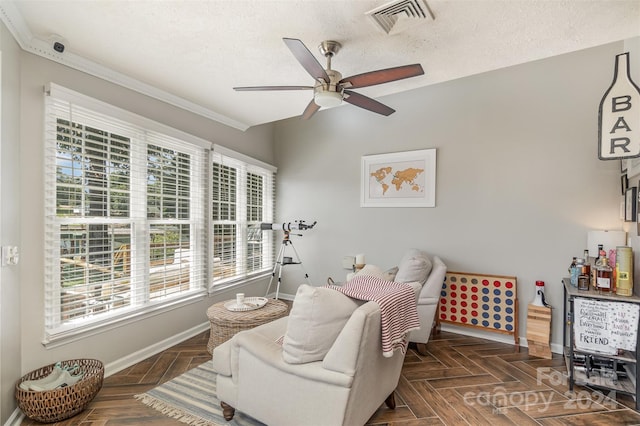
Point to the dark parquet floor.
(461, 381)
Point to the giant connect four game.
(487, 302)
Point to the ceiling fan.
(330, 88)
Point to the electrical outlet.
(10, 255)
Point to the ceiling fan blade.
(306, 59)
(367, 103)
(382, 76)
(246, 89)
(310, 110)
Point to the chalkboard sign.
(605, 327)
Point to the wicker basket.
(59, 404)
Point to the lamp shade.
(327, 99)
(609, 239)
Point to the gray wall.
(10, 284)
(22, 302)
(519, 183)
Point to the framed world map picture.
(399, 179)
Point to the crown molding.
(18, 28)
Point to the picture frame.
(632, 166)
(630, 203)
(624, 184)
(638, 211)
(400, 179)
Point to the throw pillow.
(414, 266)
(390, 274)
(317, 317)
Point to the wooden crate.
(539, 331)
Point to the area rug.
(191, 398)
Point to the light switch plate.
(10, 255)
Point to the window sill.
(68, 335)
(226, 285)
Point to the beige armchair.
(417, 266)
(329, 370)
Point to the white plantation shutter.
(242, 197)
(125, 222)
(176, 185)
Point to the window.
(242, 197)
(125, 215)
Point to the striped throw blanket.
(398, 310)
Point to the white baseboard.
(496, 337)
(16, 418)
(283, 296)
(131, 359)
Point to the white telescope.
(288, 226)
(281, 259)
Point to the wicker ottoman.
(225, 323)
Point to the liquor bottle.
(598, 261)
(578, 271)
(573, 272)
(604, 275)
(583, 282)
(601, 253)
(586, 269)
(619, 115)
(612, 263)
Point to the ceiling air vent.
(399, 15)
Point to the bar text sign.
(619, 115)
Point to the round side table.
(225, 323)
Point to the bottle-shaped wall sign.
(619, 115)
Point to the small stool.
(225, 323)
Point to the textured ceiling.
(192, 52)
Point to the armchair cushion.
(431, 290)
(317, 316)
(414, 266)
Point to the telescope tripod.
(282, 260)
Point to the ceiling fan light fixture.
(327, 99)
